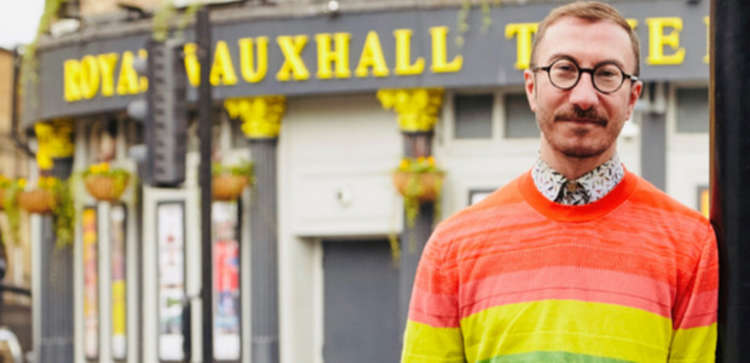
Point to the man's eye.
(607, 72)
(565, 68)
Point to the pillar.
(54, 158)
(417, 112)
(261, 124)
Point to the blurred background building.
(15, 307)
(350, 80)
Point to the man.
(577, 260)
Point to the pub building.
(325, 101)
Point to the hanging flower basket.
(227, 187)
(40, 200)
(230, 180)
(425, 186)
(105, 184)
(418, 179)
(106, 188)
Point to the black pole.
(730, 171)
(205, 103)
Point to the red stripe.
(702, 309)
(566, 282)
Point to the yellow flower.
(431, 161)
(421, 159)
(47, 182)
(404, 164)
(99, 168)
(21, 183)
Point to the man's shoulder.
(657, 201)
(680, 226)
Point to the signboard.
(171, 243)
(90, 283)
(118, 253)
(226, 254)
(358, 52)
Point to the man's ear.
(530, 88)
(635, 94)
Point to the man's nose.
(584, 95)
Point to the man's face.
(582, 122)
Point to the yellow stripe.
(597, 329)
(694, 345)
(427, 344)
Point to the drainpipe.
(14, 107)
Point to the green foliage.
(413, 192)
(12, 210)
(395, 248)
(415, 167)
(243, 168)
(29, 61)
(64, 212)
(462, 22)
(164, 15)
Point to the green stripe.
(551, 357)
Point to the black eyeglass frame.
(590, 71)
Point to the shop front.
(330, 106)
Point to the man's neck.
(571, 167)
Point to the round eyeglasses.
(565, 73)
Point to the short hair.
(592, 11)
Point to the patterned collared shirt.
(589, 188)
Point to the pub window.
(519, 120)
(473, 116)
(692, 110)
(102, 141)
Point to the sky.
(18, 21)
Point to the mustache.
(590, 115)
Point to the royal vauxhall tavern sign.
(359, 53)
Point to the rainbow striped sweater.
(632, 277)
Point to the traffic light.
(164, 114)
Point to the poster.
(90, 284)
(704, 205)
(226, 255)
(171, 243)
(118, 273)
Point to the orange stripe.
(570, 251)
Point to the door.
(360, 302)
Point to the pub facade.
(326, 102)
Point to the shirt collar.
(588, 188)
